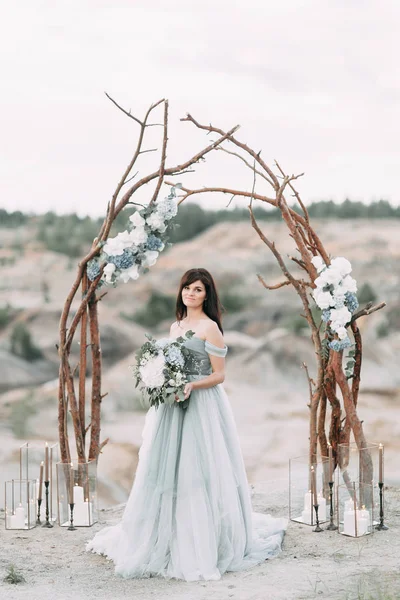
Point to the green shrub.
(232, 302)
(21, 411)
(366, 294)
(383, 329)
(13, 576)
(158, 308)
(22, 345)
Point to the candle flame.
(41, 464)
(380, 446)
(87, 500)
(46, 444)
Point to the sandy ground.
(312, 565)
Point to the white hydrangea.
(156, 222)
(137, 236)
(150, 258)
(137, 220)
(152, 373)
(131, 273)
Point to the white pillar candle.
(306, 515)
(78, 494)
(83, 514)
(20, 517)
(351, 517)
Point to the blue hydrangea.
(167, 207)
(174, 357)
(338, 345)
(339, 303)
(351, 301)
(93, 269)
(326, 315)
(124, 261)
(154, 243)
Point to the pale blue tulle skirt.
(189, 513)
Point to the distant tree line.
(72, 235)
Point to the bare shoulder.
(213, 333)
(173, 328)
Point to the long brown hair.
(212, 305)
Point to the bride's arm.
(214, 336)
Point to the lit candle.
(20, 517)
(380, 463)
(46, 462)
(306, 515)
(314, 485)
(71, 484)
(356, 522)
(330, 463)
(40, 481)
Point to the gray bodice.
(199, 365)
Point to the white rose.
(137, 220)
(349, 284)
(342, 332)
(113, 247)
(342, 265)
(340, 317)
(322, 299)
(152, 372)
(131, 273)
(171, 382)
(108, 271)
(318, 263)
(150, 258)
(137, 236)
(331, 276)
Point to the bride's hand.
(188, 390)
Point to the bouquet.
(160, 370)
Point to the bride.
(189, 513)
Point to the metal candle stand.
(331, 526)
(317, 527)
(47, 523)
(381, 526)
(71, 520)
(39, 504)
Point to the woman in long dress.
(189, 513)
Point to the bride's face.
(194, 294)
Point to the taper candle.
(46, 463)
(40, 481)
(380, 463)
(71, 484)
(314, 485)
(330, 462)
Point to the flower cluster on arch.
(131, 252)
(335, 295)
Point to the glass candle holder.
(31, 456)
(355, 510)
(77, 493)
(308, 486)
(20, 504)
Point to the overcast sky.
(313, 83)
